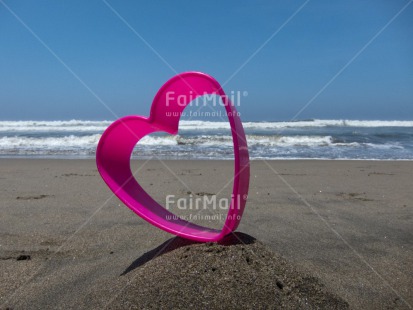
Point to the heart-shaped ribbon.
(115, 148)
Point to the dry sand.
(335, 232)
(239, 272)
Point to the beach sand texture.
(330, 233)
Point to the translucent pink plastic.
(117, 142)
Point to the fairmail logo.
(198, 100)
(206, 202)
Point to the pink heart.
(117, 142)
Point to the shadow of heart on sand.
(178, 242)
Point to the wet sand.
(66, 242)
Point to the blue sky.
(215, 37)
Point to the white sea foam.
(306, 140)
(55, 126)
(100, 126)
(161, 141)
(203, 139)
(205, 125)
(91, 141)
(253, 140)
(71, 123)
(66, 142)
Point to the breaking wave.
(333, 139)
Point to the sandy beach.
(67, 242)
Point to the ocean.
(306, 139)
